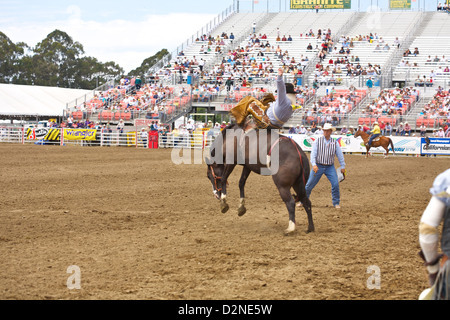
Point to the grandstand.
(358, 46)
(432, 60)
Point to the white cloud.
(127, 43)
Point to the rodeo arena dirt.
(94, 209)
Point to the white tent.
(20, 100)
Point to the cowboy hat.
(328, 126)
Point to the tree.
(58, 61)
(57, 54)
(148, 63)
(90, 73)
(10, 55)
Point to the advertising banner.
(437, 146)
(320, 4)
(350, 144)
(145, 122)
(400, 4)
(80, 134)
(225, 107)
(36, 133)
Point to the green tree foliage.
(10, 55)
(148, 63)
(59, 61)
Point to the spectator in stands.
(400, 131)
(154, 126)
(107, 130)
(383, 127)
(369, 85)
(447, 133)
(144, 137)
(407, 129)
(423, 130)
(344, 130)
(441, 133)
(120, 126)
(319, 131)
(229, 84)
(364, 128)
(301, 129)
(388, 129)
(70, 122)
(292, 130)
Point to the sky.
(128, 32)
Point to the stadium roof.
(20, 100)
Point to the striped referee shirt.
(324, 151)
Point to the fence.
(200, 140)
(107, 138)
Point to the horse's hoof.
(241, 211)
(224, 207)
(290, 229)
(310, 230)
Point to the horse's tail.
(392, 145)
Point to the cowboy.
(324, 150)
(269, 113)
(376, 132)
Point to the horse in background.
(253, 150)
(381, 141)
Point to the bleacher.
(433, 43)
(382, 28)
(385, 28)
(202, 48)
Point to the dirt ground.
(140, 227)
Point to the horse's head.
(214, 174)
(357, 133)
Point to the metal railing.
(138, 138)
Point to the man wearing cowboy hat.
(324, 151)
(376, 131)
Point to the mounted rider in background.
(376, 132)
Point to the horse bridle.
(215, 179)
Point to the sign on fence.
(350, 144)
(80, 134)
(438, 146)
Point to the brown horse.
(264, 152)
(381, 141)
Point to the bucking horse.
(264, 152)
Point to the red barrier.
(153, 139)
